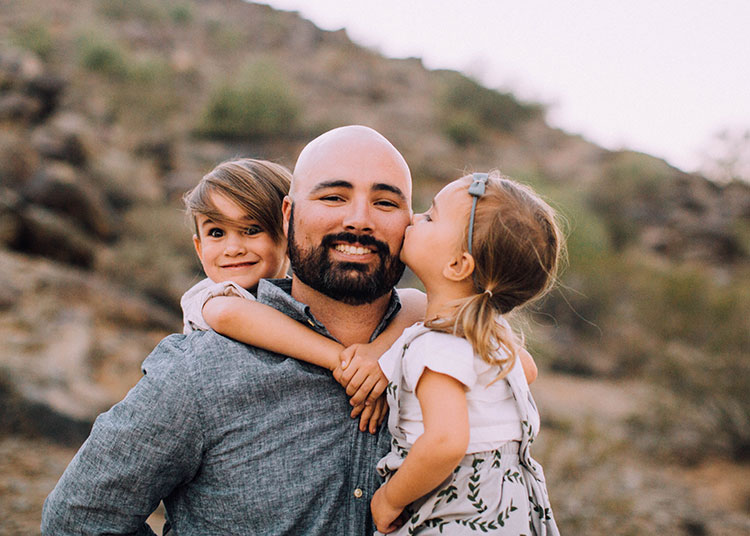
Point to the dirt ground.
(599, 483)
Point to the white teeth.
(351, 250)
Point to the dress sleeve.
(193, 300)
(136, 454)
(439, 352)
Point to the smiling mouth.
(350, 249)
(239, 265)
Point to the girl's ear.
(460, 268)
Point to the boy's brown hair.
(257, 186)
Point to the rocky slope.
(97, 147)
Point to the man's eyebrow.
(383, 187)
(331, 184)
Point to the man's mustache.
(351, 238)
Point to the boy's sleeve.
(136, 454)
(193, 300)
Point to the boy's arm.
(413, 307)
(359, 370)
(260, 325)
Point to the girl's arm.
(435, 453)
(528, 364)
(258, 324)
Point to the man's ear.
(197, 244)
(286, 212)
(460, 267)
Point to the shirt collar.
(277, 294)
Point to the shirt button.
(358, 493)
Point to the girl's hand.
(371, 416)
(387, 517)
(360, 373)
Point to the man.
(236, 439)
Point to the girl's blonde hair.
(516, 247)
(256, 186)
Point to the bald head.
(347, 152)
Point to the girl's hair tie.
(488, 291)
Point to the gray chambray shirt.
(234, 439)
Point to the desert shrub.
(259, 106)
(627, 192)
(36, 37)
(147, 10)
(462, 128)
(181, 13)
(99, 54)
(704, 410)
(463, 102)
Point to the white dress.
(497, 488)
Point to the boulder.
(68, 137)
(65, 189)
(46, 233)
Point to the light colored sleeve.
(442, 353)
(193, 300)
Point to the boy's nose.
(234, 246)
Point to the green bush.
(181, 13)
(260, 106)
(148, 10)
(627, 193)
(463, 103)
(35, 37)
(102, 55)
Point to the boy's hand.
(360, 373)
(371, 416)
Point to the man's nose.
(359, 217)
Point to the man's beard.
(347, 282)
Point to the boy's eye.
(253, 230)
(215, 232)
(332, 197)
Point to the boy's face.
(243, 253)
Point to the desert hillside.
(111, 109)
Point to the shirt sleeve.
(193, 300)
(136, 454)
(439, 352)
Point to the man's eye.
(387, 203)
(332, 197)
(215, 233)
(253, 230)
(427, 217)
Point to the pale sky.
(658, 76)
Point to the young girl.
(239, 238)
(461, 414)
